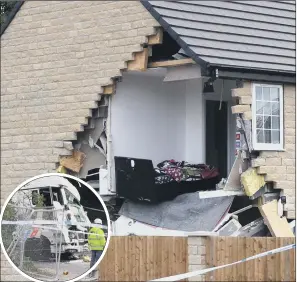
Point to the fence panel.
(224, 250)
(133, 258)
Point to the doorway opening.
(217, 135)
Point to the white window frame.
(266, 146)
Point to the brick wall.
(196, 256)
(55, 59)
(277, 167)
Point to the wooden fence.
(224, 250)
(135, 258)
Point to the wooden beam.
(171, 63)
(109, 89)
(140, 61)
(156, 38)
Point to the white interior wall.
(158, 120)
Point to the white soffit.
(183, 73)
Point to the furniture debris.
(74, 162)
(252, 181)
(278, 226)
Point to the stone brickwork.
(278, 167)
(196, 256)
(55, 59)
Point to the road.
(68, 270)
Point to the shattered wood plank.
(140, 61)
(156, 38)
(171, 63)
(74, 162)
(279, 227)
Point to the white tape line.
(199, 272)
(46, 222)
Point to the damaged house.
(181, 114)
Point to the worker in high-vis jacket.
(96, 241)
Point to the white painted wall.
(155, 120)
(159, 120)
(195, 122)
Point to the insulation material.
(278, 226)
(74, 162)
(186, 212)
(251, 181)
(61, 169)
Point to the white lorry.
(60, 219)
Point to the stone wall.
(56, 57)
(196, 256)
(277, 167)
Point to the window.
(267, 120)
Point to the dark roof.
(257, 35)
(10, 16)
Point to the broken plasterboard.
(233, 181)
(278, 227)
(229, 228)
(219, 193)
(182, 73)
(255, 228)
(74, 162)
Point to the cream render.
(55, 59)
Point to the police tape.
(203, 271)
(46, 227)
(48, 222)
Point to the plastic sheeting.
(186, 212)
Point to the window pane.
(274, 94)
(275, 108)
(260, 136)
(266, 95)
(267, 108)
(259, 121)
(258, 93)
(275, 123)
(267, 136)
(259, 108)
(267, 122)
(275, 136)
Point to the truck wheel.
(45, 248)
(38, 248)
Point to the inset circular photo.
(55, 227)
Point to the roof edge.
(11, 16)
(204, 65)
